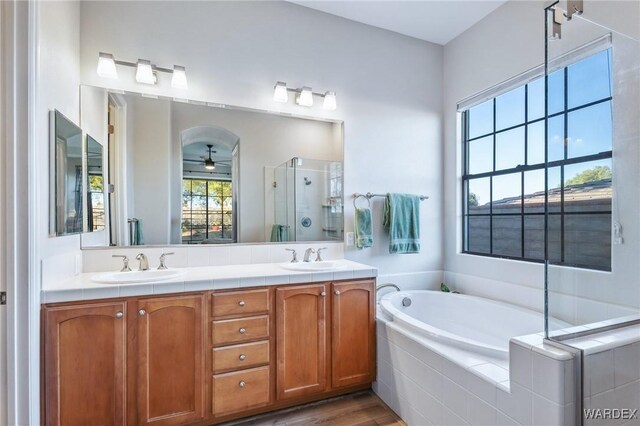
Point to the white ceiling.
(437, 21)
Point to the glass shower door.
(592, 209)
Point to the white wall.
(389, 90)
(505, 44)
(151, 150)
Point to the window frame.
(466, 177)
(207, 209)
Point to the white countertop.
(81, 287)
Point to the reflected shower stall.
(592, 207)
(307, 201)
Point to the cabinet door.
(170, 360)
(301, 340)
(84, 367)
(353, 333)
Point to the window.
(504, 169)
(96, 202)
(207, 211)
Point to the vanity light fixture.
(280, 92)
(107, 66)
(329, 102)
(179, 78)
(146, 72)
(304, 96)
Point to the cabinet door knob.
(242, 383)
(241, 303)
(242, 357)
(323, 294)
(142, 312)
(242, 330)
(337, 293)
(119, 314)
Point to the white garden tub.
(472, 323)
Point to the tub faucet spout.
(381, 286)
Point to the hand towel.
(401, 218)
(139, 236)
(279, 233)
(364, 235)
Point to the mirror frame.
(237, 108)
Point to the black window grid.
(189, 213)
(522, 169)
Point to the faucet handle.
(318, 254)
(163, 257)
(294, 259)
(125, 262)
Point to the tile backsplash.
(65, 266)
(191, 256)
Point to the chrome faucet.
(318, 256)
(144, 262)
(125, 262)
(381, 286)
(163, 258)
(307, 254)
(294, 259)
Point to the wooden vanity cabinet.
(206, 358)
(301, 345)
(85, 351)
(306, 330)
(353, 333)
(170, 359)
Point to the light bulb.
(144, 72)
(280, 92)
(305, 97)
(329, 102)
(179, 78)
(107, 66)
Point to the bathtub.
(472, 323)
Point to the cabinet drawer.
(240, 330)
(240, 356)
(249, 302)
(240, 390)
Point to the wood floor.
(358, 409)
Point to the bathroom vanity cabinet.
(206, 357)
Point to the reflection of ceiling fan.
(209, 164)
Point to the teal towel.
(139, 236)
(401, 219)
(364, 236)
(279, 233)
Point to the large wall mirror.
(183, 172)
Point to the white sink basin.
(325, 265)
(152, 275)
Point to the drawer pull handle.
(242, 357)
(241, 303)
(242, 383)
(242, 330)
(119, 314)
(323, 294)
(142, 312)
(337, 293)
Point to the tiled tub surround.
(430, 383)
(611, 378)
(80, 287)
